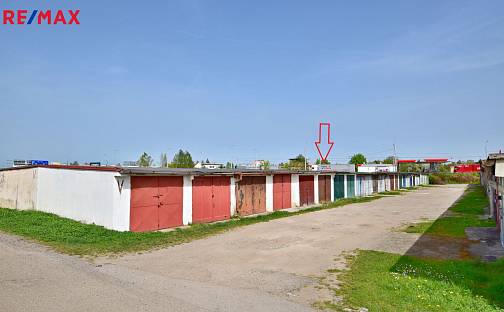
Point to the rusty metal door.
(324, 188)
(156, 203)
(251, 195)
(375, 184)
(306, 190)
(281, 191)
(211, 199)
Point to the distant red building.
(467, 168)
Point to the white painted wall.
(269, 193)
(355, 185)
(332, 187)
(99, 197)
(18, 188)
(122, 202)
(233, 196)
(345, 186)
(187, 200)
(295, 190)
(316, 198)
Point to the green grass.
(383, 281)
(454, 178)
(76, 238)
(464, 213)
(390, 193)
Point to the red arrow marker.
(329, 143)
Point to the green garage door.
(339, 186)
(350, 186)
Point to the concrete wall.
(187, 200)
(269, 193)
(233, 196)
(345, 187)
(99, 197)
(18, 189)
(295, 199)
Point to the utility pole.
(486, 149)
(397, 167)
(395, 158)
(305, 160)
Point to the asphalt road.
(269, 266)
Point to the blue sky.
(240, 80)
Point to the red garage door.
(306, 191)
(281, 191)
(251, 195)
(211, 199)
(156, 203)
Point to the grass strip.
(383, 281)
(464, 213)
(75, 238)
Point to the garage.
(156, 203)
(306, 190)
(211, 199)
(281, 191)
(339, 186)
(324, 188)
(251, 195)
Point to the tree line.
(181, 159)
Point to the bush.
(454, 178)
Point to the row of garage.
(157, 201)
(147, 199)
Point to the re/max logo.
(48, 17)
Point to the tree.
(229, 165)
(266, 165)
(358, 159)
(322, 162)
(182, 160)
(295, 163)
(163, 161)
(145, 160)
(207, 161)
(389, 160)
(74, 163)
(410, 167)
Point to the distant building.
(334, 167)
(467, 168)
(130, 163)
(33, 162)
(203, 165)
(256, 164)
(372, 168)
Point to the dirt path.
(263, 267)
